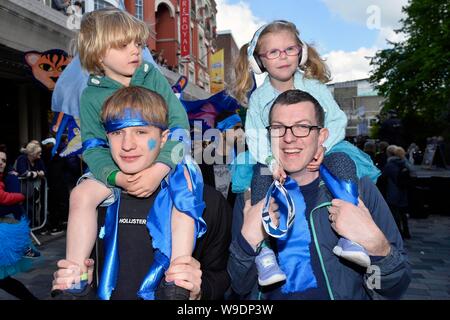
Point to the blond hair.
(243, 80)
(33, 148)
(149, 104)
(400, 152)
(395, 151)
(314, 68)
(103, 29)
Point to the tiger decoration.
(47, 66)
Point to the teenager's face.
(135, 148)
(283, 67)
(121, 63)
(295, 153)
(2, 161)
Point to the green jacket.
(98, 90)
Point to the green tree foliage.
(414, 75)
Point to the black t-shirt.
(135, 245)
(136, 251)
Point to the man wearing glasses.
(296, 132)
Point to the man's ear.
(164, 136)
(323, 135)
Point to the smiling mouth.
(129, 158)
(292, 152)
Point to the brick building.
(163, 18)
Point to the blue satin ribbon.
(229, 122)
(286, 206)
(293, 238)
(344, 190)
(95, 143)
(115, 125)
(108, 278)
(174, 192)
(129, 118)
(340, 189)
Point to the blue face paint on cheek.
(151, 144)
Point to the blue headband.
(130, 118)
(229, 122)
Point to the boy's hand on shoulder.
(122, 180)
(144, 183)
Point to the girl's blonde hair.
(103, 29)
(243, 75)
(33, 148)
(314, 68)
(149, 104)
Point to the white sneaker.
(268, 270)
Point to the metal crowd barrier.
(35, 204)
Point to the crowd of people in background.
(69, 7)
(37, 170)
(162, 61)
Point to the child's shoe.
(82, 291)
(32, 253)
(268, 270)
(352, 251)
(170, 291)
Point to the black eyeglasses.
(298, 130)
(275, 53)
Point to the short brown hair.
(296, 96)
(148, 103)
(103, 29)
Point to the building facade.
(226, 42)
(361, 104)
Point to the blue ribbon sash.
(95, 143)
(108, 278)
(293, 236)
(286, 208)
(340, 189)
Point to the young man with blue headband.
(135, 249)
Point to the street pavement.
(428, 251)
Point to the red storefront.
(182, 33)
